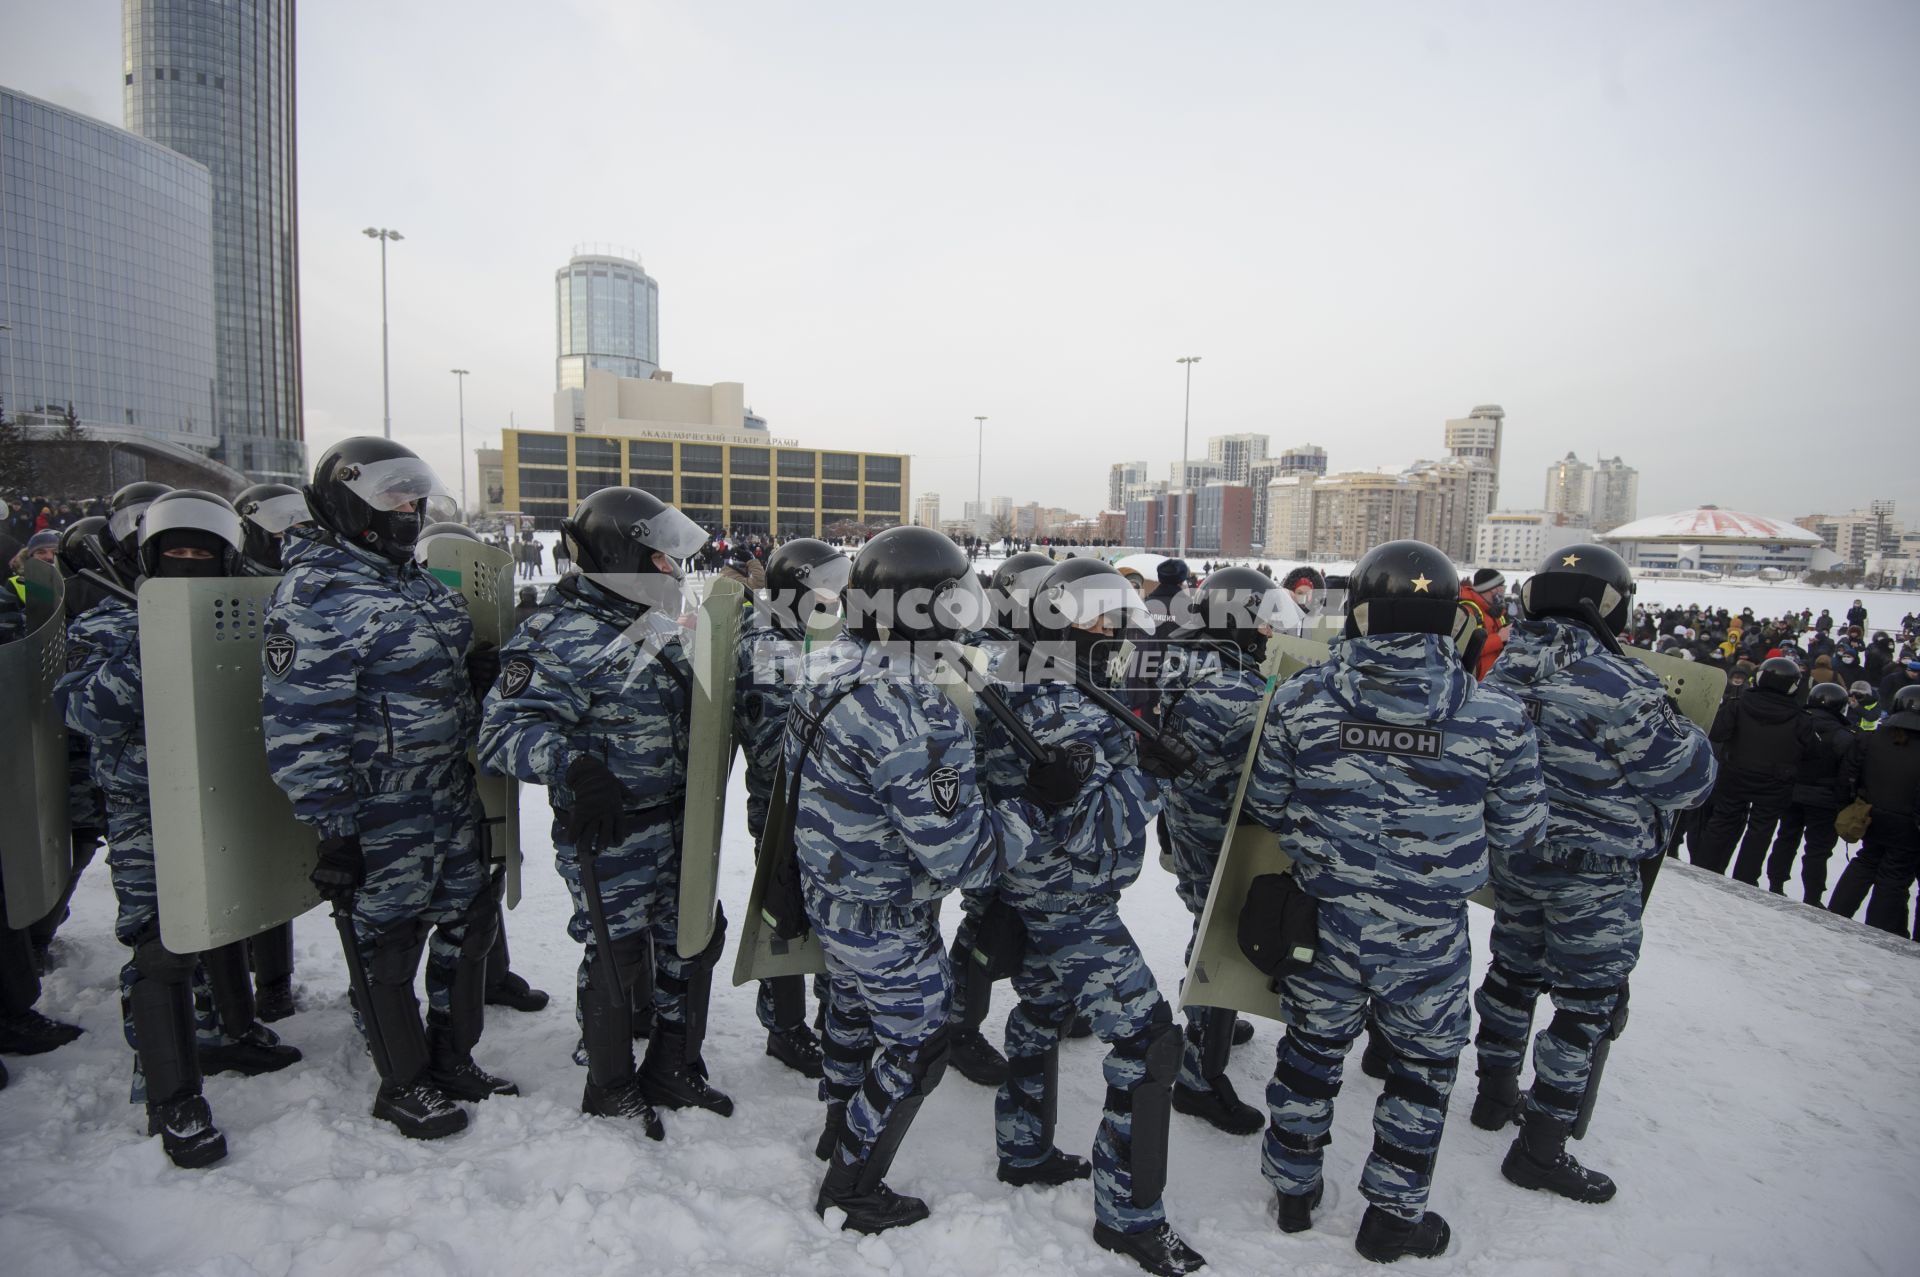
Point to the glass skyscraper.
(607, 316)
(214, 80)
(105, 277)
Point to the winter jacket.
(1615, 756)
(1888, 774)
(1095, 846)
(1209, 700)
(101, 698)
(592, 673)
(1756, 736)
(1827, 745)
(891, 807)
(1493, 621)
(1389, 774)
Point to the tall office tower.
(214, 80)
(1307, 458)
(1235, 453)
(606, 316)
(1122, 476)
(1475, 438)
(1616, 495)
(1570, 489)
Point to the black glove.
(597, 818)
(340, 871)
(1165, 756)
(483, 666)
(1052, 783)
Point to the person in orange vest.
(1486, 594)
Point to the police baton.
(357, 981)
(1177, 750)
(584, 857)
(1617, 1022)
(110, 585)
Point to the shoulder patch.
(1385, 738)
(277, 653)
(1080, 754)
(943, 787)
(515, 677)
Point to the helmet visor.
(276, 514)
(827, 578)
(1103, 598)
(959, 607)
(194, 516)
(122, 522)
(670, 532)
(388, 486)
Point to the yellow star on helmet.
(1420, 583)
(1570, 561)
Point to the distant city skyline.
(1618, 222)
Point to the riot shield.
(1288, 654)
(36, 849)
(1697, 689)
(714, 648)
(230, 857)
(483, 574)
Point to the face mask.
(171, 568)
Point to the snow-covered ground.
(1761, 1115)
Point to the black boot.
(397, 1038)
(1385, 1236)
(420, 1109)
(797, 1048)
(669, 1080)
(613, 1088)
(1498, 1102)
(1539, 1160)
(256, 1051)
(976, 1060)
(1058, 1168)
(452, 1034)
(870, 1208)
(451, 1065)
(1219, 1105)
(186, 1130)
(270, 954)
(30, 1033)
(504, 988)
(1295, 1210)
(273, 1000)
(1159, 1249)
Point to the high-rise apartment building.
(1122, 478)
(1288, 530)
(606, 316)
(1517, 540)
(1306, 458)
(1616, 495)
(1352, 513)
(1569, 488)
(215, 82)
(1475, 438)
(1235, 453)
(926, 511)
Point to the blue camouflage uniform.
(1619, 763)
(1209, 698)
(1079, 956)
(591, 672)
(368, 715)
(890, 818)
(102, 700)
(1388, 773)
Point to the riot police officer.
(890, 817)
(370, 699)
(1619, 764)
(1822, 786)
(805, 578)
(1389, 774)
(1072, 952)
(593, 702)
(176, 534)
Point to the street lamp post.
(980, 528)
(386, 395)
(1186, 418)
(460, 379)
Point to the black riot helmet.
(266, 511)
(1402, 587)
(1233, 604)
(613, 536)
(124, 509)
(1777, 674)
(1828, 696)
(188, 519)
(1578, 583)
(914, 583)
(375, 494)
(1080, 593)
(83, 546)
(804, 576)
(1904, 710)
(432, 531)
(1012, 586)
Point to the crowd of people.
(1460, 734)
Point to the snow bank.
(1760, 1114)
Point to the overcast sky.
(1686, 233)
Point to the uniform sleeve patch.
(515, 677)
(1081, 755)
(277, 653)
(943, 787)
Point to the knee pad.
(1510, 988)
(1579, 1027)
(154, 961)
(483, 928)
(394, 955)
(1421, 1082)
(929, 1063)
(709, 957)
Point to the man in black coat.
(1823, 785)
(1756, 738)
